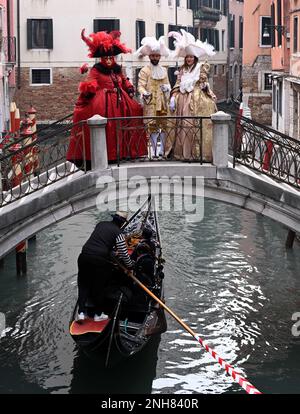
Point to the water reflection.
(134, 375)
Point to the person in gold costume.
(192, 97)
(154, 89)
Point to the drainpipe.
(8, 30)
(19, 46)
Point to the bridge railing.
(140, 139)
(264, 150)
(29, 164)
(50, 128)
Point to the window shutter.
(217, 40)
(50, 34)
(29, 33)
(272, 28)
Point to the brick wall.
(258, 100)
(218, 83)
(54, 101)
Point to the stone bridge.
(239, 186)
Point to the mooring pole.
(290, 239)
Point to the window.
(296, 34)
(140, 32)
(41, 77)
(160, 30)
(212, 36)
(106, 25)
(173, 28)
(280, 97)
(40, 34)
(265, 24)
(267, 82)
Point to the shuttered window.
(106, 25)
(40, 34)
(140, 32)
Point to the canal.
(229, 277)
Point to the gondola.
(134, 317)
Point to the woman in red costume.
(107, 92)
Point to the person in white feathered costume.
(154, 88)
(191, 96)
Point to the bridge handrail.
(265, 150)
(266, 128)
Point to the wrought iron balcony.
(207, 14)
(8, 50)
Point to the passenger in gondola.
(95, 271)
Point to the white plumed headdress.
(186, 44)
(152, 45)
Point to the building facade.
(220, 22)
(279, 34)
(235, 47)
(257, 64)
(211, 24)
(7, 62)
(51, 50)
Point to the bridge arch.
(78, 193)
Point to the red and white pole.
(34, 152)
(13, 117)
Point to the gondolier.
(94, 264)
(133, 320)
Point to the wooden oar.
(243, 382)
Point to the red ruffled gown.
(105, 92)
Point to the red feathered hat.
(104, 44)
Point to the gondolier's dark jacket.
(104, 238)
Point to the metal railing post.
(99, 156)
(220, 139)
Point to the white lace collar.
(158, 72)
(189, 79)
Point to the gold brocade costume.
(158, 103)
(190, 133)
